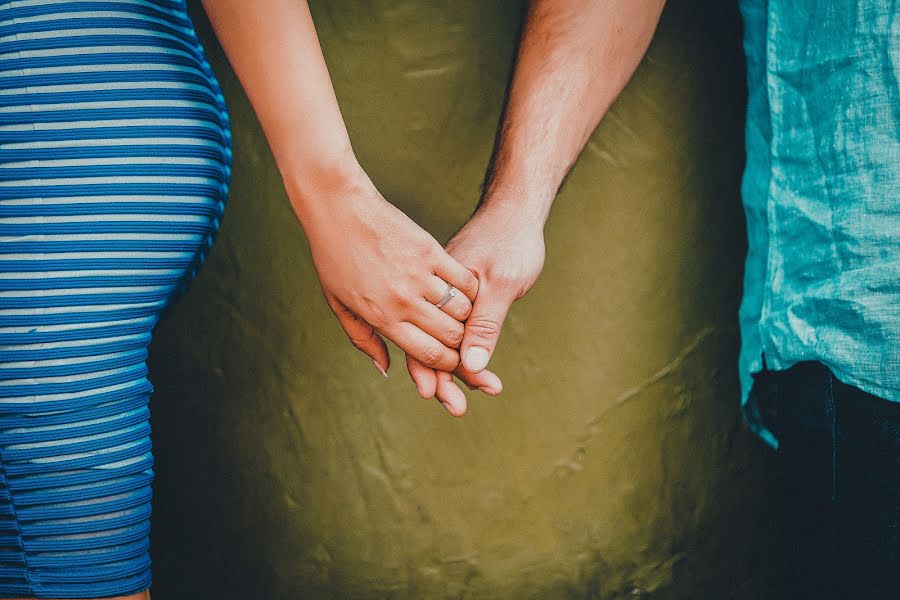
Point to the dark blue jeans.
(839, 454)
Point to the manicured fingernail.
(476, 358)
(377, 366)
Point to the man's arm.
(574, 58)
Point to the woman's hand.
(504, 246)
(381, 273)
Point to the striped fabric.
(114, 164)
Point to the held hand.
(381, 273)
(505, 248)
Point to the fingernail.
(476, 358)
(377, 366)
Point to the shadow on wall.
(614, 464)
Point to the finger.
(456, 275)
(486, 381)
(422, 346)
(424, 377)
(435, 322)
(363, 336)
(458, 307)
(453, 398)
(483, 328)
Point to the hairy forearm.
(275, 52)
(574, 58)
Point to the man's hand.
(504, 247)
(574, 58)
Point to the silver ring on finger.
(449, 295)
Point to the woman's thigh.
(114, 162)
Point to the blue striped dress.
(115, 157)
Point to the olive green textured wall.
(613, 465)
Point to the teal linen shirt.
(821, 192)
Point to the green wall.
(614, 464)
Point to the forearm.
(574, 58)
(275, 52)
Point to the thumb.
(483, 328)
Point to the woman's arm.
(379, 271)
(275, 52)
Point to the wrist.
(531, 206)
(316, 187)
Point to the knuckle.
(373, 310)
(455, 336)
(428, 248)
(466, 286)
(378, 317)
(402, 299)
(483, 327)
(431, 356)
